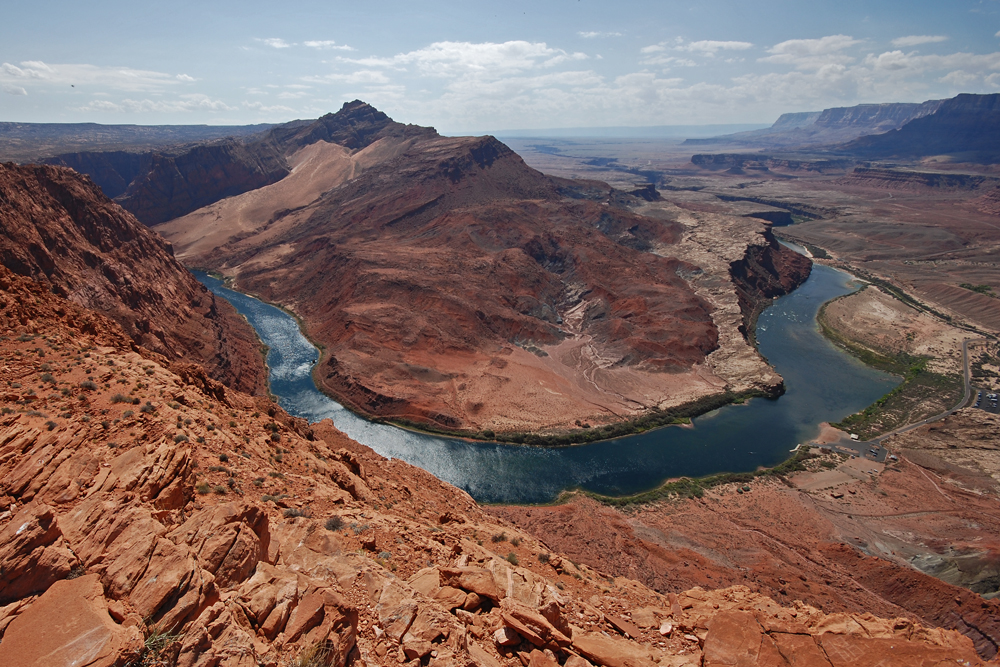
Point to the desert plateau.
(310, 358)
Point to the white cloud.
(185, 77)
(917, 40)
(259, 106)
(275, 42)
(663, 60)
(806, 54)
(15, 90)
(710, 47)
(915, 64)
(365, 76)
(448, 59)
(592, 35)
(287, 95)
(184, 103)
(327, 44)
(34, 72)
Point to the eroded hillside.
(451, 285)
(59, 228)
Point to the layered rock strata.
(59, 229)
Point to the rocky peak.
(355, 126)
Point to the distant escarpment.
(830, 126)
(161, 185)
(739, 163)
(60, 230)
(967, 126)
(899, 179)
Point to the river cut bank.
(733, 438)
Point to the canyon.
(160, 509)
(154, 515)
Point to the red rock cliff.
(59, 229)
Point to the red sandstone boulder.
(69, 626)
(230, 539)
(476, 580)
(32, 553)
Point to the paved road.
(864, 447)
(946, 413)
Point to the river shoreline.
(721, 437)
(679, 415)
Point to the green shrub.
(512, 558)
(334, 523)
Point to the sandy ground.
(884, 323)
(851, 470)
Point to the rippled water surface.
(822, 384)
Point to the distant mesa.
(966, 126)
(827, 127)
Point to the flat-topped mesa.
(59, 229)
(965, 125)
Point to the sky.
(473, 66)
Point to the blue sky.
(474, 66)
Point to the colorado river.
(823, 383)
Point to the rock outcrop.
(60, 230)
(766, 272)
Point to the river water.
(822, 382)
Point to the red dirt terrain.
(855, 547)
(58, 228)
(154, 516)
